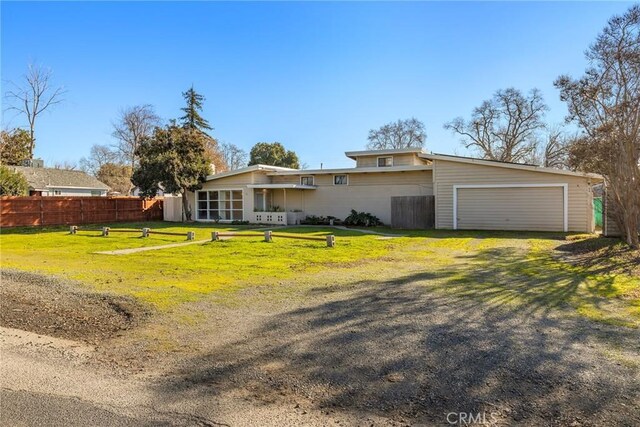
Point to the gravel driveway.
(388, 352)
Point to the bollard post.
(331, 241)
(145, 232)
(267, 236)
(215, 236)
(191, 235)
(105, 231)
(73, 229)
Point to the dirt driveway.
(381, 352)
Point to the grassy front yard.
(523, 271)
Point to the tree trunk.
(185, 205)
(631, 220)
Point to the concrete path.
(151, 248)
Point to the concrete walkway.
(151, 248)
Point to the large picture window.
(221, 205)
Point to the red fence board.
(39, 211)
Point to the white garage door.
(512, 208)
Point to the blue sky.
(314, 76)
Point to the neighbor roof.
(508, 165)
(41, 179)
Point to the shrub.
(362, 219)
(12, 183)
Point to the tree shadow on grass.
(490, 339)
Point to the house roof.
(41, 179)
(354, 154)
(508, 165)
(252, 168)
(387, 169)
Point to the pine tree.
(192, 119)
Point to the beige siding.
(409, 159)
(370, 192)
(447, 174)
(539, 209)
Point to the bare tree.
(504, 128)
(34, 96)
(133, 126)
(400, 134)
(99, 156)
(233, 156)
(605, 103)
(65, 164)
(554, 150)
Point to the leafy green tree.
(12, 183)
(14, 146)
(172, 160)
(273, 154)
(192, 118)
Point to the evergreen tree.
(192, 118)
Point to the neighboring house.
(469, 193)
(61, 182)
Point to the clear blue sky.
(314, 76)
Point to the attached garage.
(474, 194)
(539, 207)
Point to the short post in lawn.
(145, 232)
(73, 229)
(331, 241)
(191, 235)
(105, 231)
(215, 236)
(267, 236)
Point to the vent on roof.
(33, 163)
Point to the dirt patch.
(602, 255)
(63, 309)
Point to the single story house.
(467, 193)
(61, 182)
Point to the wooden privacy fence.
(40, 211)
(413, 212)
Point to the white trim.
(217, 189)
(384, 157)
(333, 178)
(248, 169)
(282, 186)
(565, 198)
(76, 188)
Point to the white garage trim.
(565, 198)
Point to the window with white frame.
(385, 161)
(340, 180)
(220, 205)
(306, 180)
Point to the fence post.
(73, 229)
(117, 211)
(41, 212)
(267, 236)
(215, 236)
(331, 241)
(81, 211)
(105, 231)
(145, 232)
(191, 235)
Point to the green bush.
(362, 219)
(12, 183)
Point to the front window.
(223, 205)
(306, 180)
(340, 180)
(385, 161)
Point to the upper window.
(306, 180)
(340, 180)
(57, 192)
(385, 161)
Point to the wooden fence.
(413, 212)
(40, 211)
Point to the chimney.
(33, 163)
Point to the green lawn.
(522, 271)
